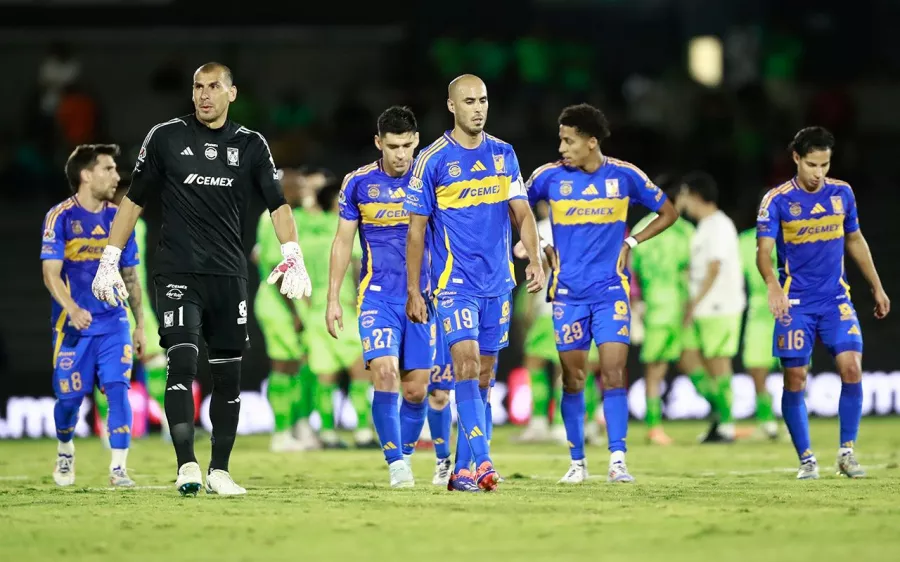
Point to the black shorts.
(214, 306)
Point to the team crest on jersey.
(499, 164)
(211, 153)
(558, 312)
(374, 191)
(232, 156)
(763, 215)
(837, 204)
(49, 235)
(795, 209)
(565, 187)
(415, 184)
(368, 321)
(77, 228)
(612, 187)
(454, 169)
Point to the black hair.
(84, 157)
(587, 120)
(397, 120)
(702, 185)
(811, 139)
(326, 196)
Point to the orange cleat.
(486, 477)
(657, 436)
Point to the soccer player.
(717, 295)
(91, 340)
(204, 168)
(810, 220)
(759, 326)
(463, 190)
(589, 194)
(440, 420)
(662, 270)
(397, 352)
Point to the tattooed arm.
(133, 286)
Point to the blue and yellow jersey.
(375, 200)
(77, 237)
(466, 194)
(588, 214)
(809, 230)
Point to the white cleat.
(538, 431)
(401, 475)
(118, 478)
(618, 472)
(809, 470)
(577, 473)
(442, 470)
(849, 467)
(64, 472)
(220, 482)
(284, 442)
(408, 460)
(190, 479)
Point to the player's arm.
(859, 251)
(415, 253)
(768, 225)
(666, 215)
(341, 251)
(712, 272)
(520, 212)
(52, 270)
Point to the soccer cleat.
(330, 440)
(577, 473)
(408, 460)
(220, 482)
(118, 478)
(64, 472)
(284, 442)
(401, 475)
(365, 439)
(766, 431)
(849, 467)
(190, 479)
(715, 435)
(809, 470)
(618, 472)
(657, 436)
(593, 434)
(486, 477)
(538, 431)
(442, 470)
(462, 481)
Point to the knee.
(439, 399)
(225, 371)
(468, 369)
(414, 393)
(573, 379)
(182, 360)
(851, 372)
(795, 379)
(116, 394)
(384, 376)
(612, 377)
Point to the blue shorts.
(384, 330)
(442, 377)
(835, 323)
(604, 321)
(483, 319)
(81, 361)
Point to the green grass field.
(692, 503)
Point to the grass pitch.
(690, 502)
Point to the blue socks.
(850, 412)
(120, 415)
(386, 416)
(439, 423)
(463, 451)
(793, 409)
(573, 409)
(470, 409)
(615, 409)
(488, 413)
(412, 419)
(65, 414)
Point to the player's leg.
(70, 359)
(308, 385)
(661, 346)
(326, 367)
(179, 315)
(284, 350)
(593, 410)
(417, 353)
(155, 366)
(440, 418)
(719, 338)
(460, 319)
(115, 358)
(610, 322)
(573, 340)
(691, 364)
(225, 332)
(793, 339)
(840, 332)
(757, 359)
(540, 355)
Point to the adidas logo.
(389, 446)
(854, 331)
(98, 231)
(476, 432)
(623, 331)
(818, 209)
(478, 167)
(590, 190)
(398, 193)
(177, 387)
(187, 152)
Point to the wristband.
(631, 241)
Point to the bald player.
(465, 188)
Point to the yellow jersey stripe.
(448, 266)
(367, 278)
(630, 166)
(596, 211)
(767, 199)
(423, 158)
(548, 166)
(821, 229)
(50, 223)
(493, 138)
(358, 172)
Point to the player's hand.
(534, 274)
(552, 260)
(80, 318)
(416, 309)
(623, 258)
(778, 302)
(334, 312)
(295, 283)
(882, 303)
(108, 285)
(140, 342)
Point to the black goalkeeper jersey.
(205, 178)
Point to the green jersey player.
(661, 266)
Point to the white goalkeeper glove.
(296, 283)
(108, 285)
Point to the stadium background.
(313, 79)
